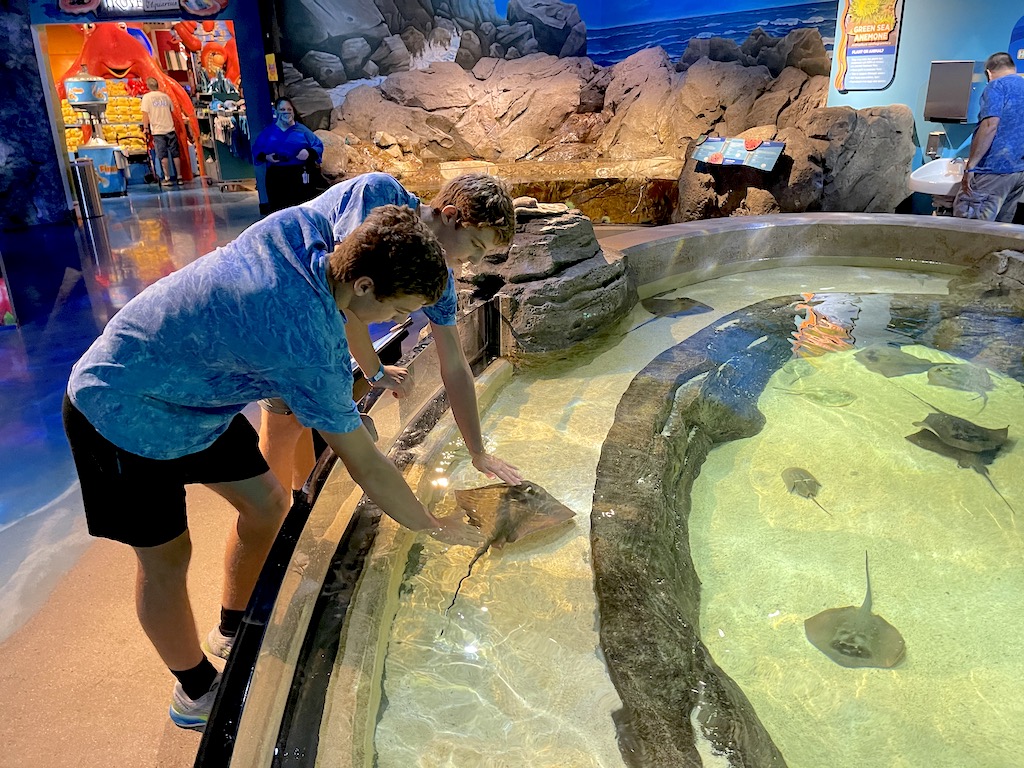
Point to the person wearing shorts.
(158, 120)
(155, 404)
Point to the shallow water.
(517, 677)
(945, 553)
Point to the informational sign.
(867, 42)
(1016, 47)
(749, 152)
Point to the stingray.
(830, 398)
(855, 637)
(890, 361)
(961, 433)
(677, 307)
(802, 483)
(963, 377)
(964, 459)
(508, 513)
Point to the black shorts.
(141, 501)
(166, 145)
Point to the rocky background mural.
(599, 118)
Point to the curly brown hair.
(482, 200)
(395, 249)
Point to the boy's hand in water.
(492, 466)
(456, 531)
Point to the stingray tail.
(821, 507)
(477, 556)
(1012, 510)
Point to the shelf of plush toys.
(121, 125)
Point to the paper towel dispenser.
(953, 91)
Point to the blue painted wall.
(936, 30)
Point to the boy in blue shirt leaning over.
(154, 404)
(471, 216)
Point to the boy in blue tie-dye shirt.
(471, 216)
(154, 404)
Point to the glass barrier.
(318, 556)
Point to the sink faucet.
(957, 165)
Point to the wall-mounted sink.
(939, 177)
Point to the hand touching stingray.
(508, 513)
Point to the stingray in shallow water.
(961, 433)
(964, 377)
(964, 459)
(802, 483)
(677, 307)
(508, 513)
(890, 361)
(855, 637)
(830, 398)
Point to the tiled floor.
(66, 283)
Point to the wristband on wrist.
(378, 375)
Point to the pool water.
(514, 675)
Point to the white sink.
(939, 177)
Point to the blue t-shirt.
(347, 204)
(1004, 98)
(251, 320)
(286, 144)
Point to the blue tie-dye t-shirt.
(347, 204)
(1004, 98)
(251, 320)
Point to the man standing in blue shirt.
(154, 405)
(995, 166)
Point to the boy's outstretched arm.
(461, 389)
(384, 484)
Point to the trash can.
(87, 190)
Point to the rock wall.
(31, 188)
(568, 110)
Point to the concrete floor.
(79, 682)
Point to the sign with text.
(867, 41)
(749, 152)
(139, 8)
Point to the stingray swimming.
(890, 361)
(961, 433)
(508, 513)
(964, 459)
(802, 483)
(964, 377)
(677, 307)
(855, 637)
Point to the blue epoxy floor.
(66, 283)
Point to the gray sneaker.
(192, 713)
(217, 644)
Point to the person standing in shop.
(292, 155)
(158, 120)
(993, 180)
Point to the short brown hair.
(482, 200)
(395, 249)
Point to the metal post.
(87, 189)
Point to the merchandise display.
(121, 123)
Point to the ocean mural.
(613, 44)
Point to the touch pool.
(648, 632)
(518, 677)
